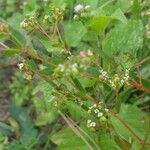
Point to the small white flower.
(90, 107)
(62, 67)
(126, 78)
(96, 111)
(90, 53)
(78, 8)
(106, 109)
(101, 70)
(122, 81)
(99, 114)
(75, 17)
(89, 121)
(87, 6)
(94, 105)
(104, 73)
(74, 67)
(20, 65)
(92, 124)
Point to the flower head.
(82, 53)
(78, 8)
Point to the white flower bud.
(62, 67)
(96, 111)
(90, 53)
(99, 114)
(20, 65)
(106, 109)
(78, 8)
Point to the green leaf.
(32, 64)
(73, 33)
(76, 111)
(78, 84)
(46, 118)
(99, 23)
(86, 82)
(136, 120)
(137, 8)
(10, 52)
(124, 38)
(67, 140)
(18, 37)
(39, 47)
(119, 15)
(107, 142)
(44, 103)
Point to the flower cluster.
(67, 69)
(55, 15)
(3, 27)
(75, 64)
(81, 11)
(85, 54)
(28, 22)
(115, 81)
(99, 112)
(23, 67)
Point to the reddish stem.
(138, 86)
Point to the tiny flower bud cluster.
(28, 22)
(75, 64)
(91, 123)
(55, 15)
(99, 112)
(23, 67)
(115, 81)
(81, 11)
(3, 27)
(67, 69)
(86, 54)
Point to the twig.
(138, 86)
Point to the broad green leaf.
(78, 84)
(39, 47)
(18, 37)
(46, 117)
(73, 33)
(66, 139)
(137, 8)
(76, 111)
(44, 103)
(118, 14)
(22, 116)
(99, 23)
(107, 142)
(124, 5)
(15, 20)
(10, 52)
(136, 120)
(124, 38)
(86, 82)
